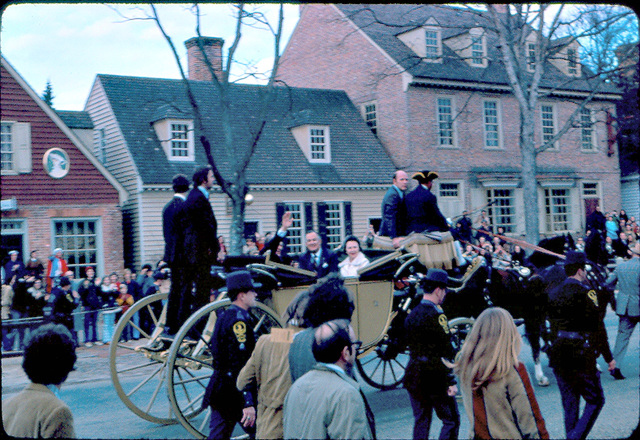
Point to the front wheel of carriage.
(384, 365)
(459, 328)
(189, 364)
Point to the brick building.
(429, 82)
(54, 192)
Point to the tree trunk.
(529, 172)
(236, 232)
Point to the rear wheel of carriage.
(189, 363)
(384, 366)
(139, 374)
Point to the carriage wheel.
(139, 375)
(384, 367)
(190, 362)
(459, 328)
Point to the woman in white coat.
(355, 258)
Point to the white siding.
(630, 193)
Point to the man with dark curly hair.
(37, 412)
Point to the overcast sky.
(69, 44)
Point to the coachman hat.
(425, 176)
(574, 257)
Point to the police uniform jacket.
(578, 332)
(429, 341)
(231, 346)
(423, 213)
(394, 213)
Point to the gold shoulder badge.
(240, 330)
(444, 322)
(592, 294)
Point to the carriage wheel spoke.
(145, 381)
(142, 332)
(137, 367)
(154, 318)
(155, 393)
(205, 421)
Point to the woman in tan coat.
(496, 390)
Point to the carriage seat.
(382, 268)
(436, 249)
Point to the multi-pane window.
(296, 232)
(531, 56)
(79, 241)
(6, 147)
(586, 133)
(557, 209)
(445, 121)
(432, 40)
(179, 140)
(449, 190)
(477, 50)
(491, 125)
(502, 210)
(371, 116)
(102, 146)
(572, 61)
(334, 224)
(318, 143)
(548, 124)
(590, 189)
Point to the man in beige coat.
(36, 412)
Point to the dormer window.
(531, 57)
(314, 141)
(176, 138)
(432, 44)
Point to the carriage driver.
(431, 384)
(232, 343)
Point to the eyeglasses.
(357, 344)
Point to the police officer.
(232, 342)
(578, 338)
(431, 384)
(61, 304)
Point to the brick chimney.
(197, 67)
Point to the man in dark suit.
(317, 258)
(173, 231)
(422, 206)
(394, 211)
(201, 244)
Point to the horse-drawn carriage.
(167, 386)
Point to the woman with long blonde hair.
(496, 390)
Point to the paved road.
(99, 413)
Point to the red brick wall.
(39, 237)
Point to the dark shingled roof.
(357, 157)
(384, 22)
(75, 119)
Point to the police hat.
(240, 281)
(437, 276)
(425, 176)
(574, 257)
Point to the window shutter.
(308, 216)
(280, 210)
(322, 221)
(21, 132)
(348, 224)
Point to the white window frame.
(440, 121)
(18, 146)
(587, 131)
(547, 123)
(334, 226)
(56, 241)
(572, 61)
(531, 56)
(478, 50)
(494, 126)
(558, 217)
(181, 140)
(297, 231)
(503, 207)
(101, 145)
(429, 56)
(7, 148)
(324, 154)
(370, 115)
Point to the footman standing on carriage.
(232, 343)
(394, 210)
(423, 214)
(578, 336)
(431, 384)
